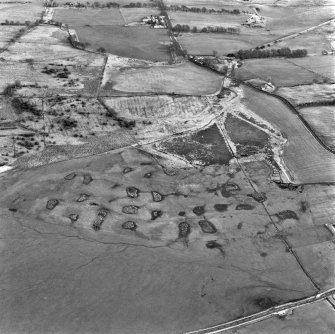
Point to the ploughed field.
(184, 78)
(322, 120)
(151, 246)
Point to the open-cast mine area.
(121, 232)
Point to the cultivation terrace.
(167, 166)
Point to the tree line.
(183, 8)
(208, 29)
(97, 4)
(18, 23)
(282, 52)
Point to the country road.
(271, 312)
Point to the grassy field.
(205, 43)
(303, 155)
(132, 15)
(133, 42)
(76, 17)
(308, 93)
(322, 65)
(322, 120)
(27, 61)
(20, 12)
(283, 21)
(314, 42)
(279, 71)
(204, 20)
(183, 78)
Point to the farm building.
(155, 21)
(255, 21)
(268, 87)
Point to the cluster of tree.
(282, 52)
(67, 123)
(209, 29)
(76, 44)
(183, 8)
(122, 122)
(97, 4)
(21, 106)
(140, 5)
(220, 30)
(17, 35)
(57, 23)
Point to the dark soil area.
(129, 225)
(87, 179)
(220, 207)
(207, 227)
(244, 207)
(244, 133)
(287, 214)
(184, 229)
(206, 146)
(199, 210)
(52, 203)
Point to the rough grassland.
(303, 155)
(308, 93)
(65, 277)
(323, 65)
(183, 78)
(279, 71)
(131, 15)
(133, 42)
(322, 120)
